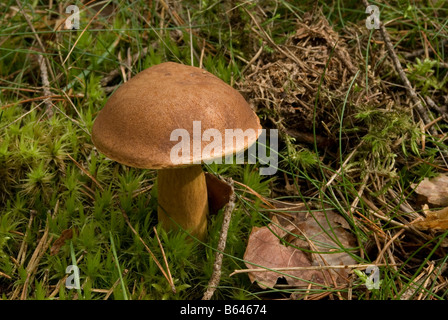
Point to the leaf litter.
(433, 193)
(305, 239)
(299, 88)
(434, 190)
(286, 84)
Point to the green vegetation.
(353, 143)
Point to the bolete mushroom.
(141, 124)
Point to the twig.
(411, 92)
(45, 85)
(42, 64)
(191, 39)
(254, 58)
(23, 247)
(122, 64)
(55, 96)
(35, 259)
(417, 103)
(216, 275)
(134, 58)
(440, 110)
(338, 172)
(111, 290)
(201, 58)
(389, 243)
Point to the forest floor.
(359, 100)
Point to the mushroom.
(143, 120)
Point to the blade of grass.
(170, 278)
(117, 263)
(87, 26)
(126, 218)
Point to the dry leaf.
(435, 220)
(264, 249)
(218, 191)
(324, 230)
(65, 235)
(435, 190)
(316, 234)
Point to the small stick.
(431, 124)
(216, 275)
(383, 250)
(23, 247)
(42, 64)
(111, 290)
(254, 58)
(123, 73)
(432, 104)
(45, 85)
(411, 92)
(338, 172)
(191, 39)
(35, 259)
(202, 54)
(57, 97)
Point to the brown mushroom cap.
(135, 125)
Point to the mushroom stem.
(182, 197)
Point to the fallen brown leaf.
(434, 220)
(323, 239)
(434, 190)
(65, 235)
(218, 191)
(327, 232)
(264, 249)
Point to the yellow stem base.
(182, 197)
